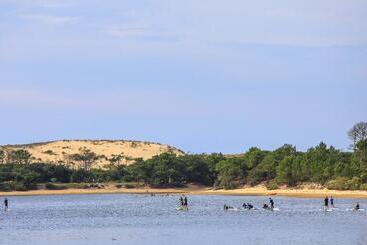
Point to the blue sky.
(204, 76)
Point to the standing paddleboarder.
(185, 202)
(326, 202)
(332, 202)
(6, 204)
(271, 203)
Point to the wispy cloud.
(50, 19)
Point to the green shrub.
(54, 180)
(363, 187)
(50, 186)
(49, 152)
(16, 186)
(354, 183)
(340, 183)
(6, 187)
(19, 186)
(129, 186)
(271, 185)
(77, 186)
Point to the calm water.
(139, 219)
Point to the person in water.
(185, 202)
(181, 201)
(357, 206)
(250, 206)
(332, 202)
(271, 203)
(244, 205)
(265, 206)
(326, 202)
(6, 204)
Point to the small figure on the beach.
(271, 203)
(6, 204)
(326, 202)
(332, 202)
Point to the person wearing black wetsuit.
(332, 202)
(6, 204)
(357, 206)
(185, 202)
(326, 202)
(271, 203)
(250, 206)
(244, 205)
(181, 201)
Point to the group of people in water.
(329, 203)
(183, 201)
(249, 206)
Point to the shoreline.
(251, 191)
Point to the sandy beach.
(195, 190)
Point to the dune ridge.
(59, 151)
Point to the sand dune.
(60, 151)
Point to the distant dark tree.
(254, 156)
(358, 132)
(19, 156)
(141, 171)
(116, 160)
(196, 169)
(229, 174)
(2, 156)
(86, 158)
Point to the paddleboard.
(355, 210)
(182, 208)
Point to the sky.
(203, 76)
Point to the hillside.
(60, 151)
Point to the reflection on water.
(140, 219)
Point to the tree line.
(322, 164)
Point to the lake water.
(139, 219)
